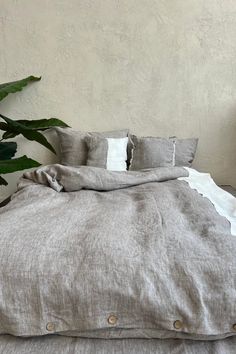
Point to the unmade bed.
(96, 261)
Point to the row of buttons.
(112, 320)
(178, 325)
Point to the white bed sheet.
(223, 201)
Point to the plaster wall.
(159, 67)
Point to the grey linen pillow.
(151, 152)
(185, 150)
(107, 153)
(73, 148)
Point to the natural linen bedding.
(92, 253)
(54, 344)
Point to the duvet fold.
(72, 179)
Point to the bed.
(98, 259)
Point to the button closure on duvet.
(234, 327)
(178, 324)
(112, 320)
(50, 326)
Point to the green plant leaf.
(3, 182)
(42, 124)
(27, 133)
(33, 135)
(7, 150)
(21, 163)
(3, 126)
(9, 135)
(38, 124)
(14, 86)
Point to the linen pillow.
(185, 150)
(73, 148)
(107, 153)
(151, 152)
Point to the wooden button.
(50, 326)
(112, 320)
(234, 327)
(178, 324)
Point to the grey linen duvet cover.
(53, 344)
(115, 255)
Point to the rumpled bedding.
(90, 253)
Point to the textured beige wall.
(160, 67)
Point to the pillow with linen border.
(185, 151)
(151, 152)
(108, 153)
(73, 148)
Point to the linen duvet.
(142, 258)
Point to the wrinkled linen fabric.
(107, 153)
(151, 152)
(73, 179)
(224, 202)
(185, 151)
(73, 148)
(54, 344)
(126, 254)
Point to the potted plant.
(30, 129)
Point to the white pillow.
(109, 153)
